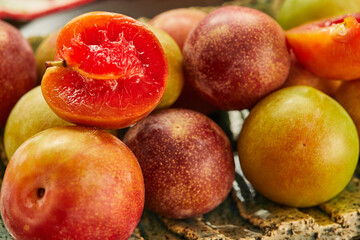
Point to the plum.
(30, 115)
(17, 68)
(348, 95)
(235, 56)
(178, 23)
(112, 71)
(186, 160)
(72, 183)
(297, 12)
(298, 147)
(46, 52)
(299, 75)
(174, 58)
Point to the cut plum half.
(329, 48)
(111, 71)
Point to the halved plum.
(329, 48)
(112, 71)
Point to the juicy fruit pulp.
(72, 183)
(298, 147)
(115, 73)
(329, 48)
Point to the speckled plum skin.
(235, 56)
(72, 183)
(186, 160)
(17, 68)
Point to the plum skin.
(186, 160)
(348, 95)
(178, 23)
(235, 56)
(298, 147)
(17, 68)
(92, 187)
(299, 75)
(30, 115)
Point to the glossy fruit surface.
(186, 160)
(72, 183)
(348, 95)
(17, 68)
(298, 147)
(46, 52)
(175, 81)
(300, 76)
(178, 22)
(297, 12)
(235, 56)
(113, 71)
(329, 48)
(30, 115)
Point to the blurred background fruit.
(45, 52)
(35, 41)
(348, 95)
(299, 75)
(296, 12)
(178, 22)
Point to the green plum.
(298, 147)
(30, 115)
(296, 12)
